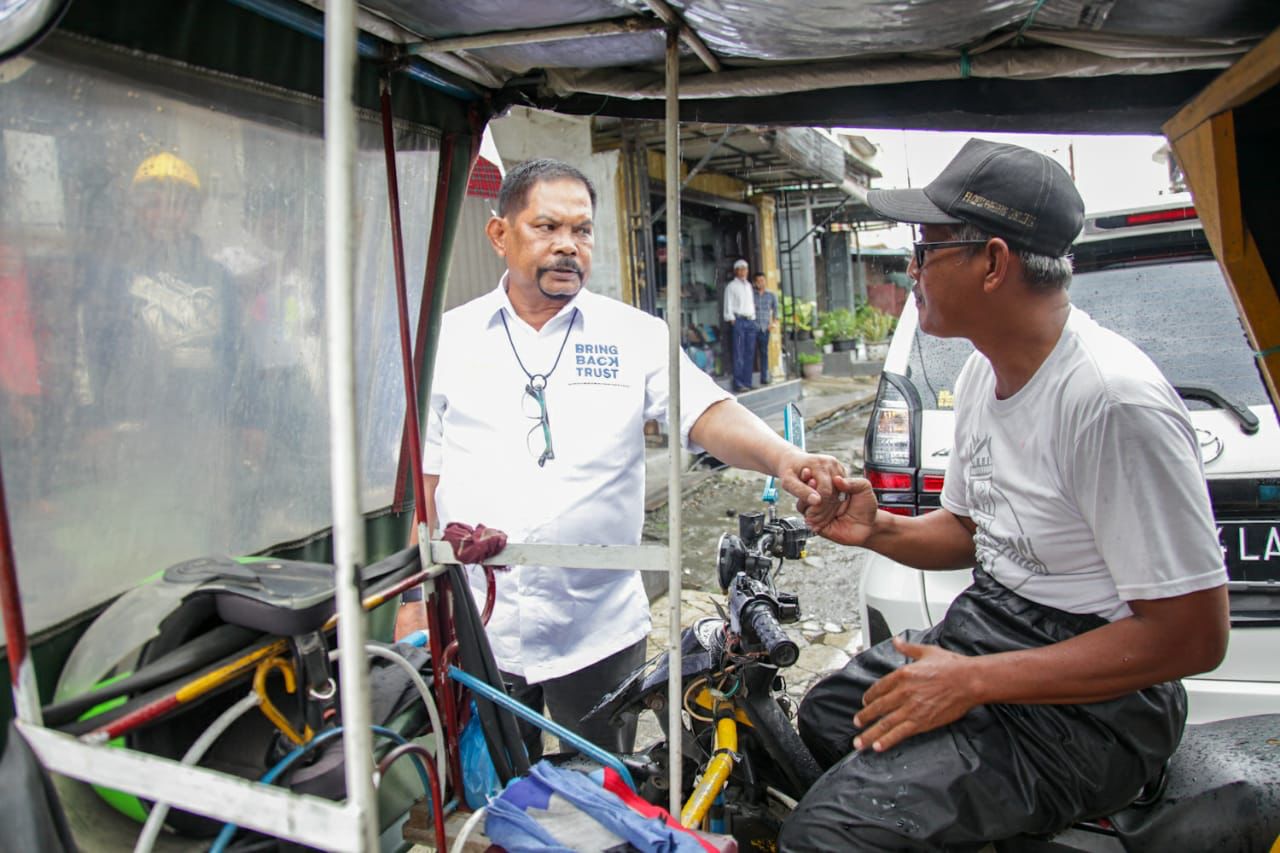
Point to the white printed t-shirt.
(612, 376)
(1086, 485)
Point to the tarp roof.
(1046, 65)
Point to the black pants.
(568, 698)
(999, 771)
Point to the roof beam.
(691, 39)
(506, 38)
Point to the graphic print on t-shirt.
(597, 364)
(987, 503)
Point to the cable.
(229, 829)
(460, 841)
(692, 713)
(159, 811)
(432, 712)
(432, 786)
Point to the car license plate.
(1251, 550)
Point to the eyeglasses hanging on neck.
(533, 401)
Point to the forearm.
(730, 433)
(936, 540)
(1114, 660)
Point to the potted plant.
(810, 364)
(875, 327)
(797, 317)
(840, 327)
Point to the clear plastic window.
(162, 322)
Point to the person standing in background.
(740, 311)
(766, 302)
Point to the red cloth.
(613, 784)
(474, 544)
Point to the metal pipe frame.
(506, 38)
(22, 673)
(344, 469)
(307, 819)
(673, 20)
(646, 558)
(675, 326)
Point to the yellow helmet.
(166, 167)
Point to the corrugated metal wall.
(474, 268)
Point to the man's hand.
(933, 689)
(810, 477)
(848, 515)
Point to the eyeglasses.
(919, 249)
(533, 403)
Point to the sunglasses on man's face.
(918, 250)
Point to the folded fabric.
(554, 809)
(474, 544)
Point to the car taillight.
(889, 432)
(899, 510)
(931, 483)
(889, 480)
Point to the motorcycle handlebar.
(782, 650)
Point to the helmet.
(166, 167)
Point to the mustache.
(564, 265)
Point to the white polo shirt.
(611, 378)
(739, 300)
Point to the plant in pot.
(875, 327)
(840, 327)
(810, 364)
(797, 317)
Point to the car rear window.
(1180, 314)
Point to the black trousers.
(567, 700)
(999, 771)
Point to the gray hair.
(1042, 273)
(513, 195)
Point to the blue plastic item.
(480, 780)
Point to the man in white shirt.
(1049, 692)
(540, 393)
(740, 310)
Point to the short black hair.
(514, 193)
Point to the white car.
(1147, 274)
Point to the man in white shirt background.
(740, 311)
(539, 396)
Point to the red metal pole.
(26, 695)
(451, 733)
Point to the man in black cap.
(1049, 692)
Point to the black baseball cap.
(1008, 191)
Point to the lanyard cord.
(533, 377)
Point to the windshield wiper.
(1248, 420)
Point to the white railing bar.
(646, 558)
(307, 819)
(344, 467)
(675, 328)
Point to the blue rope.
(229, 829)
